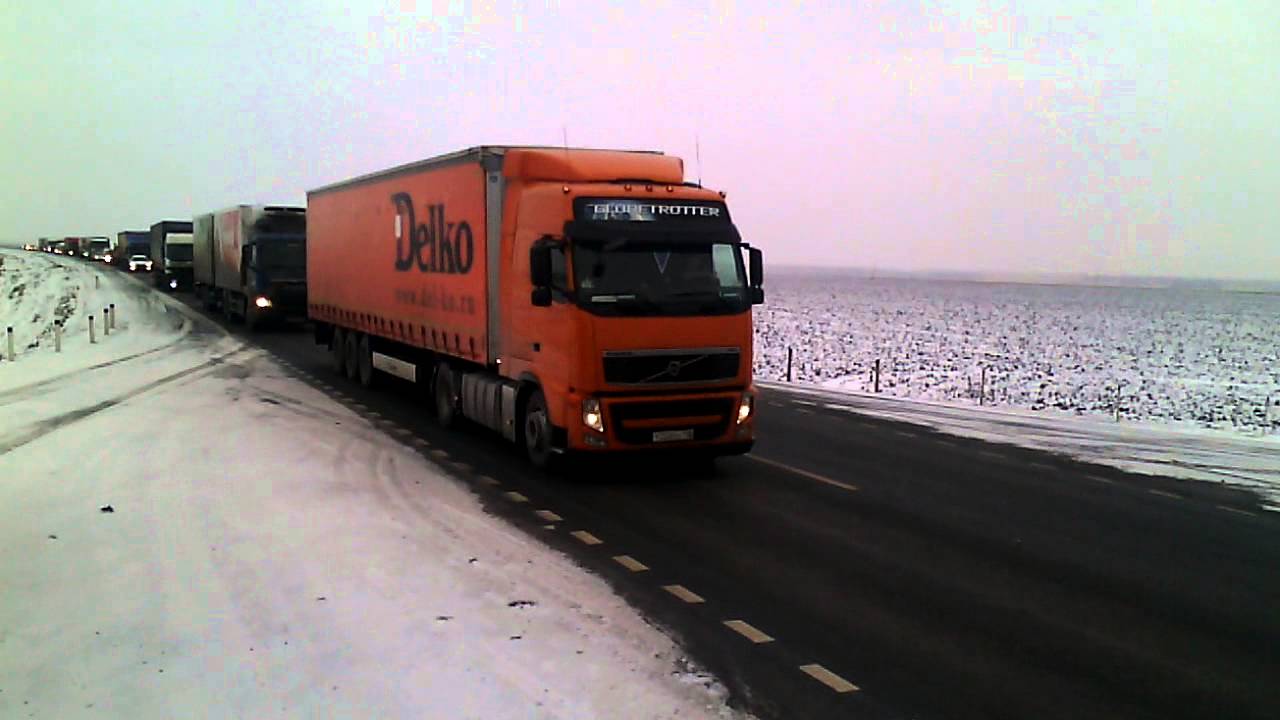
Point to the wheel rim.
(535, 431)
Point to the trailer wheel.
(352, 359)
(368, 377)
(338, 351)
(445, 400)
(227, 312)
(536, 430)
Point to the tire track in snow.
(41, 428)
(24, 392)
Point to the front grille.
(680, 366)
(720, 408)
(290, 297)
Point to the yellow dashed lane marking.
(683, 593)
(514, 496)
(586, 538)
(548, 516)
(747, 631)
(1099, 478)
(1162, 493)
(400, 430)
(489, 481)
(460, 466)
(440, 453)
(805, 473)
(630, 563)
(828, 678)
(1238, 511)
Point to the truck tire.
(445, 398)
(368, 377)
(352, 353)
(252, 318)
(535, 430)
(338, 351)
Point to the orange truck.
(576, 301)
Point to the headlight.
(173, 284)
(262, 302)
(591, 415)
(744, 407)
(106, 259)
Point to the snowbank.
(37, 289)
(270, 553)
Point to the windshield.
(625, 277)
(178, 252)
(283, 254)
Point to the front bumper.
(702, 421)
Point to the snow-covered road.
(269, 552)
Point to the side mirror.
(541, 296)
(540, 266)
(757, 295)
(757, 268)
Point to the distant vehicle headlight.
(173, 284)
(262, 302)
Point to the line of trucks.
(576, 301)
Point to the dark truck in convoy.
(171, 254)
(130, 243)
(251, 261)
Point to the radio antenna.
(697, 158)
(564, 130)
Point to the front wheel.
(536, 430)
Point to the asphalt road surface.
(863, 568)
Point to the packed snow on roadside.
(37, 289)
(1194, 359)
(269, 552)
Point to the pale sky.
(1107, 137)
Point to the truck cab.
(631, 304)
(171, 253)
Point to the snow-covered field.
(1200, 359)
(270, 553)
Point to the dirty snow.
(271, 553)
(1181, 357)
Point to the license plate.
(672, 435)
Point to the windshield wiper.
(629, 299)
